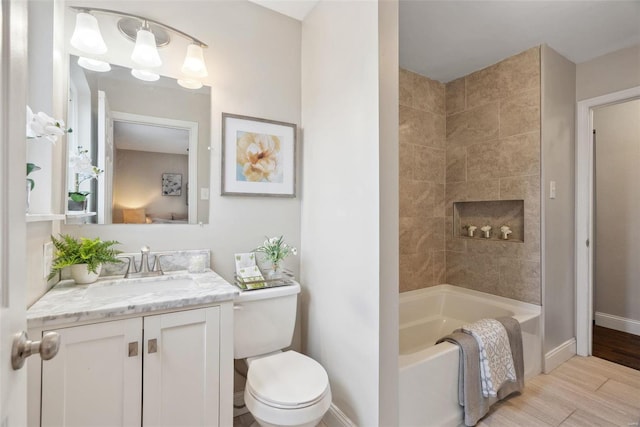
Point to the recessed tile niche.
(495, 213)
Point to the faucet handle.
(156, 264)
(128, 258)
(145, 249)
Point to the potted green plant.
(84, 256)
(275, 250)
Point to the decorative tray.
(286, 278)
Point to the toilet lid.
(287, 379)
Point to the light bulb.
(145, 53)
(94, 64)
(86, 36)
(194, 65)
(147, 76)
(190, 83)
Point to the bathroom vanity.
(149, 351)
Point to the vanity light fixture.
(145, 53)
(146, 75)
(94, 64)
(148, 35)
(87, 37)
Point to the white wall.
(254, 69)
(342, 221)
(608, 73)
(617, 209)
(558, 219)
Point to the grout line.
(600, 386)
(567, 417)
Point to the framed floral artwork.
(258, 157)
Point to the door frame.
(584, 212)
(192, 128)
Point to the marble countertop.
(109, 298)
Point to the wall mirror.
(150, 141)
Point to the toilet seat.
(288, 380)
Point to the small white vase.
(81, 275)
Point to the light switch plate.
(47, 259)
(204, 193)
(552, 189)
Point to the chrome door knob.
(23, 348)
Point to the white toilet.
(283, 388)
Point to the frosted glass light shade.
(145, 53)
(194, 65)
(94, 64)
(147, 76)
(86, 36)
(190, 83)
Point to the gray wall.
(617, 209)
(557, 151)
(608, 73)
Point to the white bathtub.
(429, 373)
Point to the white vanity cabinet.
(154, 370)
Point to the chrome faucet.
(144, 270)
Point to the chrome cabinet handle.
(23, 347)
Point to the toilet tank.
(264, 320)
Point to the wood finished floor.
(583, 392)
(616, 346)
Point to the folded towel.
(496, 361)
(470, 395)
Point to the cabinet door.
(181, 368)
(95, 380)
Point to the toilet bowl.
(283, 388)
(287, 389)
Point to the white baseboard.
(238, 400)
(559, 355)
(618, 323)
(336, 418)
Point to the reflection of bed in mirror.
(151, 129)
(141, 216)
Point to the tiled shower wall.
(422, 179)
(492, 152)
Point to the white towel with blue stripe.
(496, 360)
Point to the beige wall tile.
(406, 201)
(455, 96)
(456, 164)
(429, 95)
(473, 126)
(474, 271)
(421, 127)
(408, 236)
(429, 164)
(439, 206)
(416, 271)
(453, 243)
(520, 72)
(406, 160)
(483, 86)
(471, 191)
(406, 79)
(409, 125)
(520, 155)
(519, 279)
(483, 161)
(439, 267)
(430, 235)
(520, 113)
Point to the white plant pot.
(81, 275)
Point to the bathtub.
(429, 373)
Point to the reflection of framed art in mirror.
(171, 184)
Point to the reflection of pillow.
(134, 216)
(179, 216)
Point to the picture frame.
(258, 157)
(171, 184)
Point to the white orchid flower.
(44, 126)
